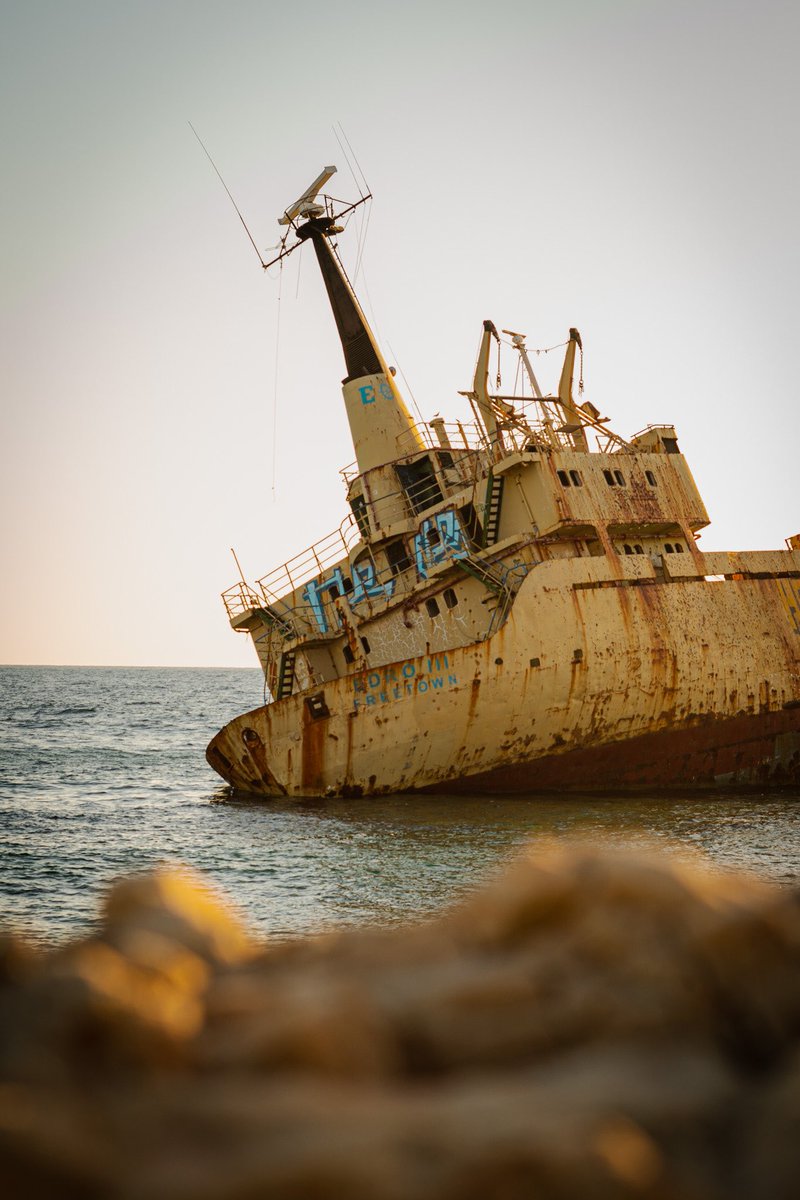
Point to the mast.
(380, 424)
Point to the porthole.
(450, 598)
(432, 607)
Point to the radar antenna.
(325, 212)
(305, 206)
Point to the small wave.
(77, 710)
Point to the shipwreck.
(515, 601)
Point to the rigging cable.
(408, 385)
(347, 159)
(228, 190)
(355, 160)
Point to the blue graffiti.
(366, 583)
(449, 544)
(315, 589)
(367, 394)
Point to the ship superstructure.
(514, 601)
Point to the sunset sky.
(630, 168)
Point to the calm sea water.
(102, 773)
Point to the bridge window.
(419, 482)
(620, 478)
(628, 549)
(651, 479)
(576, 479)
(432, 607)
(358, 506)
(669, 548)
(349, 657)
(638, 549)
(563, 478)
(365, 644)
(678, 548)
(450, 598)
(670, 445)
(609, 478)
(397, 557)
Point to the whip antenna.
(227, 189)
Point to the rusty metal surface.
(596, 680)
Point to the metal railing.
(311, 562)
(239, 599)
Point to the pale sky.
(627, 167)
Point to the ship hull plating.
(593, 683)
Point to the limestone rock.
(591, 1024)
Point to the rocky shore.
(590, 1025)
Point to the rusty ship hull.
(513, 602)
(647, 704)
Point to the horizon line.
(129, 667)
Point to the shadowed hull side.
(747, 751)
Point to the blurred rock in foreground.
(592, 1025)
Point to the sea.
(103, 774)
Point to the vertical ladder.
(494, 499)
(286, 675)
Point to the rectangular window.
(432, 607)
(418, 481)
(576, 479)
(620, 478)
(563, 478)
(671, 445)
(358, 506)
(609, 478)
(450, 598)
(651, 479)
(397, 557)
